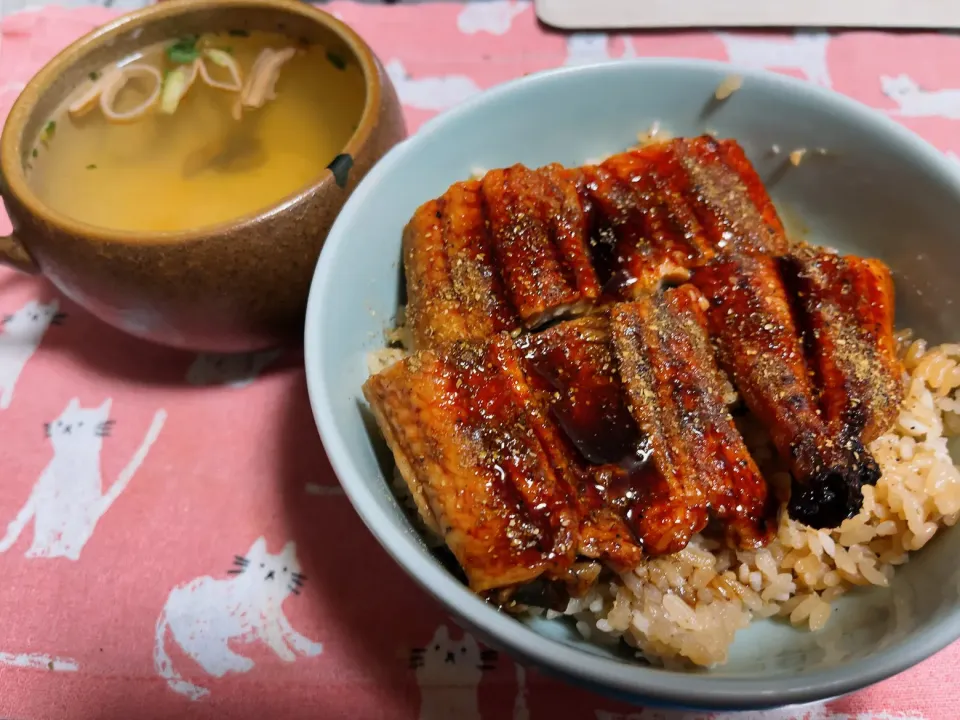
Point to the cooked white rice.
(728, 86)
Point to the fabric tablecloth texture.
(186, 469)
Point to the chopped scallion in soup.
(197, 131)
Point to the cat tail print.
(19, 523)
(136, 461)
(164, 665)
(39, 662)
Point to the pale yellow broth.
(200, 166)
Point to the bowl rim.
(13, 174)
(693, 690)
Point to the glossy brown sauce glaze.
(638, 398)
(729, 199)
(516, 445)
(572, 370)
(539, 274)
(735, 158)
(483, 463)
(737, 491)
(542, 455)
(676, 395)
(473, 272)
(642, 243)
(523, 247)
(845, 305)
(605, 438)
(761, 346)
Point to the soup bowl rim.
(13, 177)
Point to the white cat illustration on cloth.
(205, 615)
(439, 92)
(235, 371)
(521, 708)
(587, 48)
(448, 673)
(68, 500)
(804, 51)
(915, 101)
(20, 335)
(39, 661)
(807, 712)
(492, 16)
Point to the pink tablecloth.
(120, 596)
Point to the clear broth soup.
(199, 165)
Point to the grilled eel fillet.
(483, 462)
(668, 208)
(525, 246)
(496, 254)
(845, 305)
(600, 438)
(817, 366)
(522, 247)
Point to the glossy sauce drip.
(606, 230)
(632, 483)
(576, 375)
(585, 395)
(639, 251)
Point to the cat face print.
(235, 371)
(900, 86)
(80, 427)
(272, 577)
(494, 17)
(32, 320)
(451, 662)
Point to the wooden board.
(640, 14)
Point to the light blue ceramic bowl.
(878, 190)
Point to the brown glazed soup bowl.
(232, 287)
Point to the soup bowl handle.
(13, 253)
